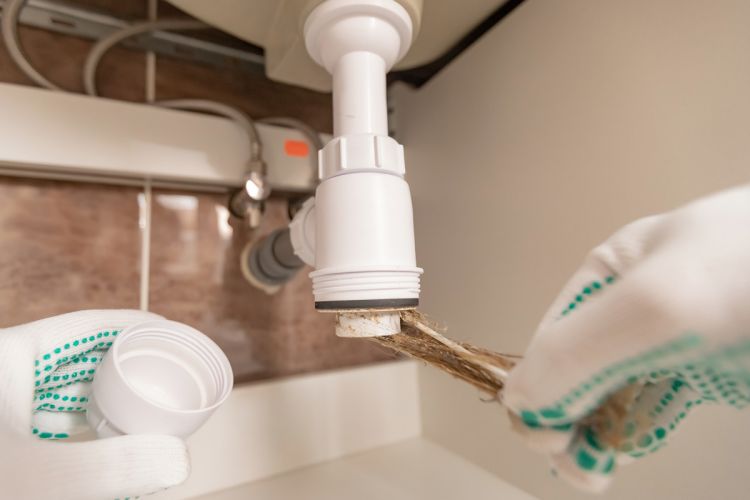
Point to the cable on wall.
(256, 190)
(11, 12)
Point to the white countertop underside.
(416, 469)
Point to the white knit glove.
(45, 373)
(664, 307)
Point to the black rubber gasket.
(340, 305)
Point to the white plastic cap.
(159, 377)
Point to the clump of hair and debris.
(420, 339)
(487, 370)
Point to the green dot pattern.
(591, 456)
(587, 292)
(606, 381)
(62, 373)
(49, 435)
(718, 376)
(685, 363)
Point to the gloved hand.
(662, 307)
(45, 373)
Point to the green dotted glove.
(62, 383)
(659, 316)
(46, 368)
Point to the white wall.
(567, 120)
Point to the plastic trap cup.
(159, 377)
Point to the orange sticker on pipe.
(296, 148)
